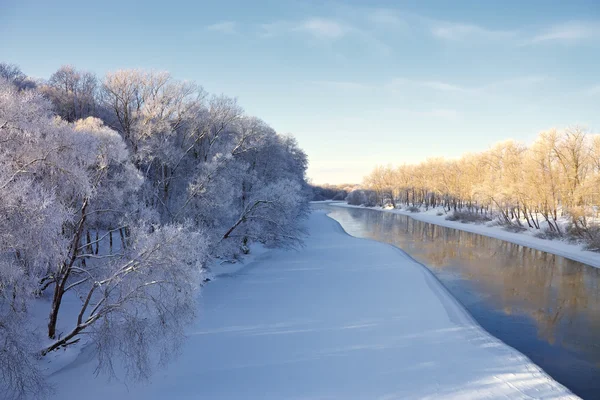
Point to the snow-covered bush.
(548, 233)
(468, 217)
(591, 237)
(514, 228)
(359, 197)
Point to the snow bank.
(574, 252)
(343, 318)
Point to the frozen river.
(545, 306)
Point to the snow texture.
(342, 318)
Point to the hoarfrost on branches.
(115, 193)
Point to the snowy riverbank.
(553, 246)
(342, 318)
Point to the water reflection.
(546, 306)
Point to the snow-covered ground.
(560, 248)
(343, 318)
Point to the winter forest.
(115, 195)
(555, 178)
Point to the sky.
(358, 83)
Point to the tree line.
(331, 192)
(558, 175)
(115, 194)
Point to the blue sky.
(359, 83)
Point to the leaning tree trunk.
(64, 272)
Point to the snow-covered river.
(545, 306)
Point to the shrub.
(360, 197)
(548, 234)
(452, 217)
(514, 228)
(592, 238)
(340, 196)
(466, 217)
(413, 209)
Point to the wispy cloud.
(342, 85)
(438, 113)
(487, 88)
(405, 85)
(566, 32)
(391, 18)
(377, 29)
(315, 27)
(471, 32)
(325, 29)
(571, 31)
(444, 87)
(385, 17)
(518, 82)
(228, 27)
(452, 31)
(275, 28)
(322, 28)
(593, 90)
(402, 83)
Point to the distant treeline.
(331, 192)
(556, 178)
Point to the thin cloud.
(572, 31)
(525, 81)
(519, 82)
(468, 32)
(566, 32)
(272, 29)
(451, 31)
(592, 90)
(443, 113)
(399, 83)
(438, 113)
(325, 29)
(342, 85)
(371, 41)
(385, 17)
(395, 19)
(228, 27)
(444, 87)
(370, 27)
(317, 28)
(322, 28)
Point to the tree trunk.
(64, 273)
(122, 238)
(88, 237)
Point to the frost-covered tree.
(556, 176)
(13, 74)
(115, 201)
(72, 93)
(272, 200)
(360, 197)
(201, 155)
(29, 235)
(58, 180)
